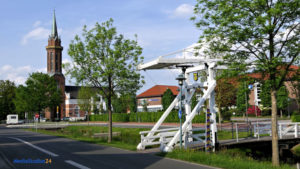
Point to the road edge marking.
(73, 163)
(36, 147)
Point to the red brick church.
(69, 107)
(54, 67)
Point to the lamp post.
(180, 79)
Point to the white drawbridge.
(169, 138)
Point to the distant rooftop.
(158, 90)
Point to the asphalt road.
(19, 149)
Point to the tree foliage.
(40, 92)
(253, 34)
(7, 95)
(86, 97)
(281, 96)
(106, 60)
(167, 99)
(225, 96)
(242, 98)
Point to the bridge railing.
(289, 129)
(265, 129)
(198, 137)
(157, 137)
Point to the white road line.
(76, 164)
(36, 147)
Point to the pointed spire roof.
(54, 27)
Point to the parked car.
(65, 119)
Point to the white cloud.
(36, 34)
(18, 74)
(182, 11)
(36, 24)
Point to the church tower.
(54, 67)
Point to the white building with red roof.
(153, 97)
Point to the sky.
(162, 27)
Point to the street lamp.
(180, 79)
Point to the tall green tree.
(265, 94)
(225, 96)
(124, 102)
(281, 96)
(295, 87)
(242, 98)
(132, 103)
(282, 99)
(120, 104)
(7, 95)
(262, 34)
(40, 92)
(86, 99)
(106, 60)
(167, 99)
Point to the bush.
(295, 118)
(296, 150)
(266, 112)
(227, 115)
(251, 111)
(296, 113)
(145, 117)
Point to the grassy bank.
(129, 139)
(229, 159)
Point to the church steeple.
(54, 65)
(54, 27)
(54, 51)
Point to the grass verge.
(229, 159)
(129, 139)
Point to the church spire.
(54, 27)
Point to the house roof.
(292, 72)
(158, 90)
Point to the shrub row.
(295, 116)
(144, 117)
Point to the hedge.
(295, 118)
(144, 117)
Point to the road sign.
(37, 115)
(179, 114)
(250, 86)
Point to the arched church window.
(56, 62)
(51, 61)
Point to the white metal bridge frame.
(169, 138)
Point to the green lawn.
(129, 139)
(229, 159)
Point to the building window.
(77, 111)
(56, 62)
(51, 61)
(257, 91)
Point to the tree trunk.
(275, 152)
(109, 110)
(109, 120)
(280, 113)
